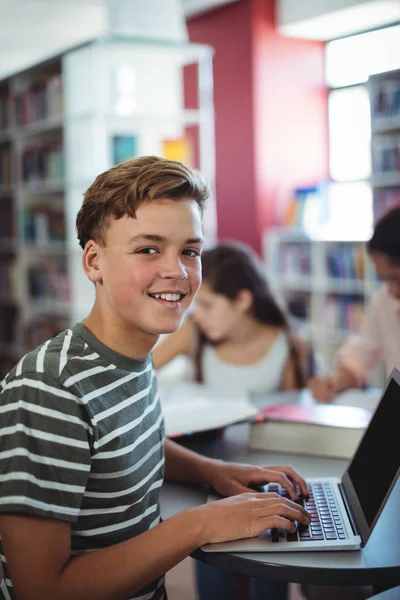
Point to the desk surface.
(376, 564)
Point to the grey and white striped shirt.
(82, 441)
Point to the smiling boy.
(82, 447)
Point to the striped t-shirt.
(82, 441)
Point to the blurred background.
(291, 108)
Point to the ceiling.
(32, 30)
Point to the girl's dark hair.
(386, 236)
(231, 267)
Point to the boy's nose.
(173, 269)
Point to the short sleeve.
(363, 351)
(45, 448)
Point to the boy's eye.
(192, 252)
(146, 251)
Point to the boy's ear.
(91, 261)
(244, 300)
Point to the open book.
(190, 408)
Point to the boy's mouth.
(168, 296)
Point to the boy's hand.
(247, 515)
(230, 479)
(323, 389)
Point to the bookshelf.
(325, 284)
(384, 92)
(64, 121)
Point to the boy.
(82, 446)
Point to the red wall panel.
(271, 115)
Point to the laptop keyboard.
(325, 524)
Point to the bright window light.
(353, 59)
(349, 213)
(349, 134)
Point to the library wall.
(271, 115)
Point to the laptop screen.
(374, 468)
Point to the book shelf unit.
(61, 124)
(384, 92)
(325, 284)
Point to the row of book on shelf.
(7, 229)
(386, 99)
(43, 224)
(294, 260)
(43, 162)
(49, 281)
(386, 154)
(9, 278)
(343, 261)
(5, 165)
(343, 313)
(40, 100)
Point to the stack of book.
(318, 429)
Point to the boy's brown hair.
(122, 189)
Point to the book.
(124, 147)
(178, 149)
(317, 429)
(191, 408)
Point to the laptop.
(344, 511)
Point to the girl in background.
(238, 338)
(239, 342)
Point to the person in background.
(239, 342)
(238, 338)
(379, 336)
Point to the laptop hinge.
(348, 510)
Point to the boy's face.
(150, 269)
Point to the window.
(349, 63)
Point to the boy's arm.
(38, 549)
(228, 479)
(38, 557)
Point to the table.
(378, 564)
(393, 594)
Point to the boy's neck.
(129, 342)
